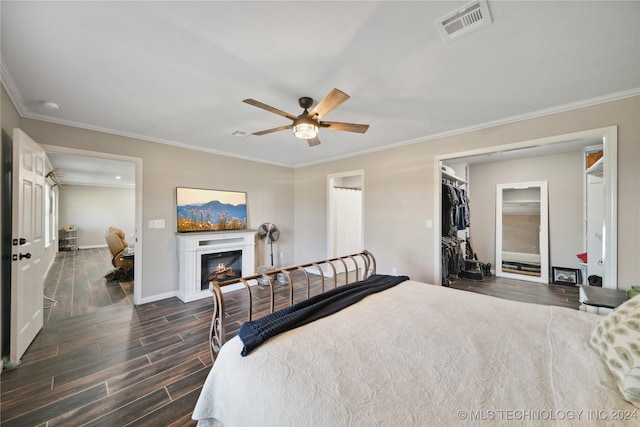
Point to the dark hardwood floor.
(520, 290)
(100, 360)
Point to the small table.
(596, 296)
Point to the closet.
(456, 218)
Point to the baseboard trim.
(158, 297)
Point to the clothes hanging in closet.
(455, 210)
(452, 259)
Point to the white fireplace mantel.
(191, 247)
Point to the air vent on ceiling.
(466, 20)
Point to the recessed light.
(50, 105)
(118, 177)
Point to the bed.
(417, 354)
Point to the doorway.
(346, 219)
(135, 163)
(607, 136)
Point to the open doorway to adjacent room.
(106, 190)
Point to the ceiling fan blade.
(269, 108)
(349, 127)
(330, 102)
(313, 141)
(279, 128)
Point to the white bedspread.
(419, 355)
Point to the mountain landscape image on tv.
(210, 210)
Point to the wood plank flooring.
(101, 361)
(520, 290)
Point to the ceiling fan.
(306, 125)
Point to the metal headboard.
(362, 265)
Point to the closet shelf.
(453, 178)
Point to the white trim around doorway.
(608, 136)
(138, 278)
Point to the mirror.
(522, 237)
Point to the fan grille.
(268, 232)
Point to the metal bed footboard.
(362, 266)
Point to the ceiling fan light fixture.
(305, 130)
(304, 127)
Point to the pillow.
(617, 338)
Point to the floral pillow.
(617, 339)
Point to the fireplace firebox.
(220, 266)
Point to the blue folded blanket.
(258, 331)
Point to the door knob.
(27, 255)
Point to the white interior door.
(27, 235)
(347, 220)
(595, 221)
(345, 214)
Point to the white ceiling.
(177, 72)
(73, 169)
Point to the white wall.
(94, 209)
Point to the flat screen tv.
(210, 210)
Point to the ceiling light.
(118, 177)
(305, 131)
(305, 128)
(50, 105)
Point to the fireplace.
(203, 257)
(220, 266)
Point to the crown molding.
(9, 84)
(508, 120)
